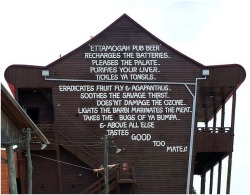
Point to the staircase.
(126, 175)
(118, 176)
(98, 186)
(72, 143)
(122, 174)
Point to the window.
(33, 113)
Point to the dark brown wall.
(75, 179)
(153, 165)
(45, 175)
(157, 170)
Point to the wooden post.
(229, 169)
(232, 141)
(222, 113)
(29, 161)
(219, 178)
(206, 124)
(203, 182)
(214, 121)
(11, 169)
(211, 180)
(220, 162)
(212, 168)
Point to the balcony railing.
(214, 130)
(49, 132)
(209, 139)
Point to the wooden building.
(146, 96)
(14, 125)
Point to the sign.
(128, 100)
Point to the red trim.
(12, 89)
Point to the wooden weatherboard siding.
(127, 84)
(151, 121)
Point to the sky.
(210, 32)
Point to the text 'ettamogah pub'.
(121, 114)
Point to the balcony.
(212, 145)
(209, 139)
(49, 132)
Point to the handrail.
(209, 139)
(70, 143)
(46, 127)
(98, 186)
(78, 147)
(126, 173)
(86, 152)
(214, 130)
